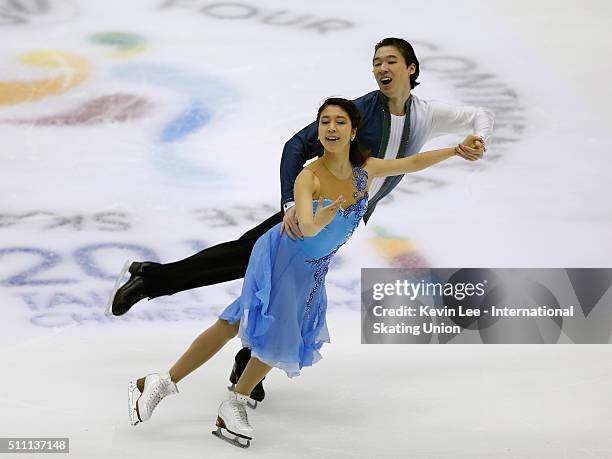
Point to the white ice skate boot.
(232, 417)
(156, 387)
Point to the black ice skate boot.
(124, 297)
(241, 360)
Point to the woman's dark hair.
(406, 51)
(357, 153)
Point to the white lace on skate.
(155, 397)
(158, 390)
(240, 414)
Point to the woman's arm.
(384, 167)
(304, 190)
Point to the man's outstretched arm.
(462, 119)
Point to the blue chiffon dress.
(283, 302)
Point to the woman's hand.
(472, 148)
(324, 215)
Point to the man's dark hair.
(406, 51)
(357, 153)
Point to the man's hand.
(472, 148)
(290, 224)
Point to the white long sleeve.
(461, 119)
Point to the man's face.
(390, 71)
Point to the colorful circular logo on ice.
(202, 97)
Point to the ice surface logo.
(35, 12)
(204, 94)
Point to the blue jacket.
(373, 134)
(423, 120)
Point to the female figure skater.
(280, 314)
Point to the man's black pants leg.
(220, 263)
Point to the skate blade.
(251, 403)
(109, 307)
(132, 400)
(237, 440)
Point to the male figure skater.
(395, 124)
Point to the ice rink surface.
(151, 129)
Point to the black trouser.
(220, 263)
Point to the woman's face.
(335, 130)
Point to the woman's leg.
(203, 348)
(254, 372)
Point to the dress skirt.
(282, 305)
